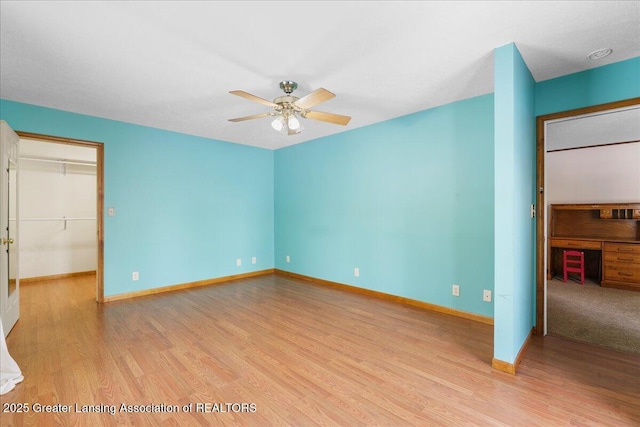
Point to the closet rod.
(64, 161)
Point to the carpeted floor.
(590, 313)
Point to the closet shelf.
(65, 219)
(60, 161)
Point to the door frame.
(541, 244)
(99, 146)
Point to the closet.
(57, 199)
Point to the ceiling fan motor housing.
(283, 100)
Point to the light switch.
(111, 211)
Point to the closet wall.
(57, 199)
(594, 159)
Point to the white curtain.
(10, 373)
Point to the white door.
(9, 281)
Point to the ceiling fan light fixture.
(287, 124)
(294, 124)
(279, 125)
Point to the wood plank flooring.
(276, 351)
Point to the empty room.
(347, 213)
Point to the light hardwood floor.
(295, 354)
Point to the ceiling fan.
(289, 108)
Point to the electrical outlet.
(135, 276)
(253, 260)
(288, 258)
(238, 262)
(486, 295)
(356, 272)
(455, 290)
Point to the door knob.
(7, 241)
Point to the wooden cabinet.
(608, 234)
(621, 265)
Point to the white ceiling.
(171, 65)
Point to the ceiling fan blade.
(255, 116)
(314, 98)
(336, 119)
(253, 98)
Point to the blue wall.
(609, 83)
(186, 207)
(515, 166)
(408, 201)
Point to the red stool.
(573, 262)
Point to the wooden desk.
(609, 236)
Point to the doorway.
(541, 200)
(90, 160)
